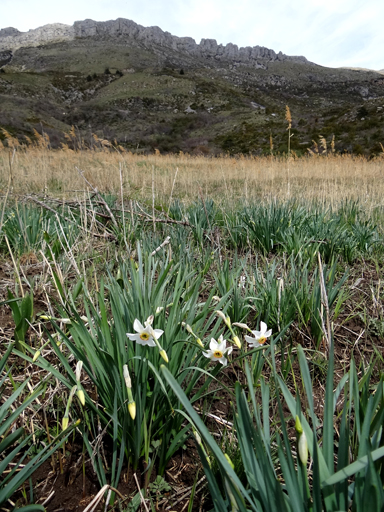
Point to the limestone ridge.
(12, 39)
(126, 30)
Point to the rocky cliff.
(126, 30)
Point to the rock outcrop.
(12, 39)
(126, 30)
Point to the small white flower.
(260, 337)
(145, 334)
(218, 350)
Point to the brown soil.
(74, 488)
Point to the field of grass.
(188, 333)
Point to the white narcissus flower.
(260, 337)
(145, 334)
(218, 350)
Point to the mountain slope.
(148, 89)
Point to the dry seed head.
(29, 141)
(288, 117)
(12, 142)
(323, 142)
(6, 134)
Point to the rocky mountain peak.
(127, 30)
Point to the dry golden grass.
(328, 180)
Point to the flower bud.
(66, 321)
(36, 356)
(189, 328)
(164, 355)
(199, 342)
(65, 422)
(78, 370)
(81, 397)
(149, 321)
(197, 437)
(127, 377)
(236, 341)
(302, 445)
(132, 409)
(242, 326)
(298, 427)
(221, 315)
(302, 448)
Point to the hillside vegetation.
(147, 97)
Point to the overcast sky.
(328, 32)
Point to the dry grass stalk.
(328, 180)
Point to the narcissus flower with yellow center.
(218, 351)
(144, 334)
(260, 337)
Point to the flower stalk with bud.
(189, 329)
(228, 323)
(66, 414)
(128, 384)
(79, 392)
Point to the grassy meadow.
(188, 333)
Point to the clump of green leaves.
(22, 312)
(15, 445)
